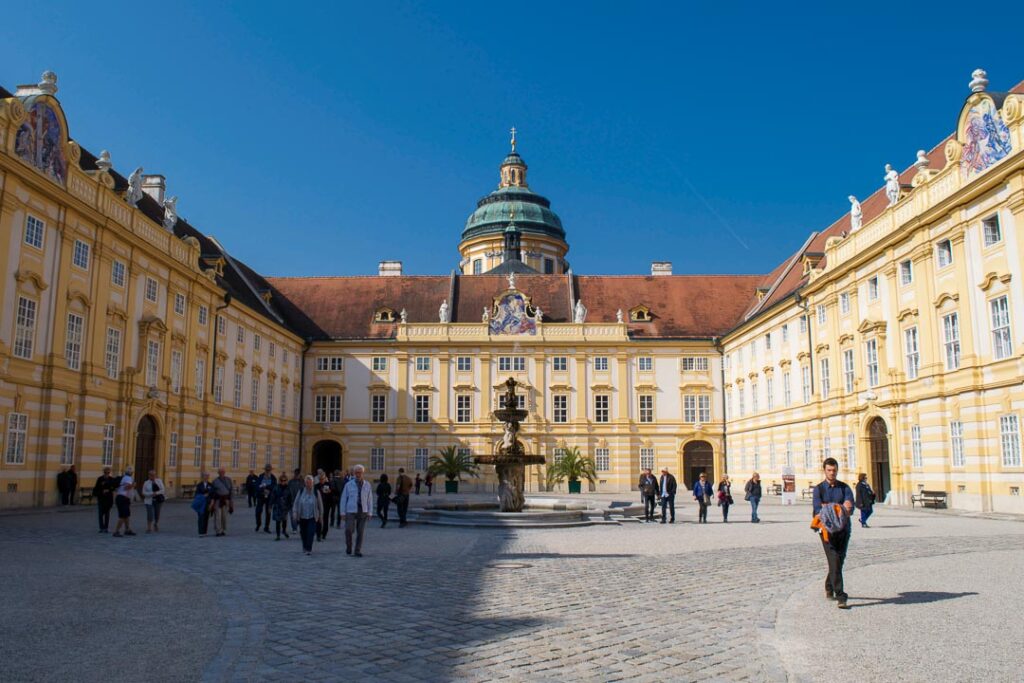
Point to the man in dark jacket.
(295, 486)
(337, 485)
(103, 493)
(251, 482)
(265, 485)
(648, 493)
(72, 484)
(667, 489)
(831, 491)
(403, 486)
(62, 485)
(702, 492)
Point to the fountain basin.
(537, 513)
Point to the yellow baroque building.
(890, 340)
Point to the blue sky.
(318, 140)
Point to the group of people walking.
(655, 490)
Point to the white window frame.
(787, 389)
(560, 408)
(218, 384)
(906, 272)
(769, 392)
(236, 454)
(785, 333)
(871, 361)
(690, 408)
(602, 459)
(112, 353)
(270, 396)
(118, 273)
(851, 451)
(334, 408)
(844, 303)
(197, 451)
(152, 290)
(254, 451)
(825, 378)
(463, 408)
(176, 363)
(34, 234)
(238, 387)
(1009, 437)
(911, 352)
(179, 304)
(873, 288)
(805, 382)
(602, 408)
(240, 339)
(107, 446)
(80, 256)
(379, 363)
(991, 231)
(200, 388)
(822, 314)
(152, 362)
(215, 461)
(646, 458)
(17, 436)
(377, 458)
(422, 408)
(944, 254)
(511, 364)
(956, 443)
(645, 364)
(560, 364)
(645, 403)
(754, 407)
(808, 456)
(951, 340)
(378, 408)
(703, 408)
(422, 363)
(999, 311)
(254, 393)
(25, 328)
(601, 364)
(204, 316)
(915, 446)
(421, 459)
(849, 370)
(73, 341)
(172, 450)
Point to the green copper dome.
(531, 212)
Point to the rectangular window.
(645, 363)
(1001, 345)
(873, 288)
(601, 364)
(73, 342)
(175, 371)
(253, 451)
(757, 459)
(257, 342)
(844, 303)
(421, 459)
(601, 408)
(646, 408)
(704, 408)
(769, 389)
(216, 453)
(906, 272)
(785, 333)
(951, 340)
(694, 363)
(992, 232)
(179, 304)
(825, 379)
(808, 455)
(270, 397)
(478, 266)
(753, 398)
(803, 325)
(560, 363)
(741, 395)
(376, 459)
(334, 408)
(254, 396)
(172, 451)
(789, 454)
(200, 387)
(268, 452)
(197, 451)
(379, 363)
(647, 458)
(871, 356)
(689, 408)
(152, 362)
(771, 456)
(25, 328)
(80, 257)
(911, 353)
(218, 384)
(107, 454)
(602, 459)
(34, 232)
(152, 289)
(222, 323)
(67, 442)
(117, 273)
(378, 408)
(282, 455)
(464, 364)
(851, 452)
(204, 317)
(240, 338)
(1009, 431)
(915, 446)
(956, 443)
(511, 363)
(464, 452)
(560, 408)
(17, 432)
(822, 314)
(463, 408)
(423, 364)
(549, 266)
(236, 452)
(284, 400)
(848, 370)
(728, 404)
(271, 352)
(787, 391)
(238, 389)
(826, 448)
(558, 454)
(805, 382)
(422, 408)
(944, 253)
(768, 341)
(320, 409)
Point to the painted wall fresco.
(512, 315)
(986, 138)
(40, 142)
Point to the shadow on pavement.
(909, 598)
(559, 556)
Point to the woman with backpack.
(725, 496)
(865, 499)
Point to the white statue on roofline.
(442, 313)
(579, 314)
(892, 184)
(856, 214)
(170, 213)
(134, 193)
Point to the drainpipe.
(725, 437)
(302, 395)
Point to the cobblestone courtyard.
(633, 602)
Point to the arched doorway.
(326, 456)
(698, 456)
(878, 438)
(145, 447)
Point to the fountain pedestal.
(509, 457)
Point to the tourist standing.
(702, 491)
(281, 505)
(355, 508)
(123, 501)
(295, 486)
(308, 509)
(251, 482)
(264, 486)
(323, 487)
(418, 481)
(384, 499)
(338, 482)
(833, 503)
(865, 499)
(103, 494)
(403, 485)
(223, 505)
(429, 481)
(648, 493)
(62, 485)
(725, 496)
(202, 502)
(72, 485)
(153, 496)
(667, 487)
(752, 494)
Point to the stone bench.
(929, 499)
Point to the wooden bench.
(929, 499)
(85, 496)
(775, 489)
(188, 490)
(807, 493)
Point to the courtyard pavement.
(934, 595)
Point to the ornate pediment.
(151, 323)
(944, 297)
(872, 327)
(990, 278)
(906, 313)
(513, 313)
(23, 275)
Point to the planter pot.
(451, 486)
(575, 486)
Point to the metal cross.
(513, 138)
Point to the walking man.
(62, 486)
(356, 501)
(403, 485)
(648, 492)
(667, 486)
(250, 487)
(222, 503)
(833, 503)
(72, 485)
(702, 490)
(865, 499)
(103, 492)
(295, 486)
(418, 483)
(265, 485)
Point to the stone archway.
(145, 447)
(326, 456)
(698, 456)
(879, 472)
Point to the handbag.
(159, 498)
(199, 503)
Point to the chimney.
(389, 268)
(661, 268)
(155, 186)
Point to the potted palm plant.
(573, 466)
(452, 464)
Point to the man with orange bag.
(833, 503)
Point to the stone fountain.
(510, 458)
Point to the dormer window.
(384, 315)
(640, 314)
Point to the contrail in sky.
(707, 204)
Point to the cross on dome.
(513, 131)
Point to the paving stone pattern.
(636, 603)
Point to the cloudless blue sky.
(319, 139)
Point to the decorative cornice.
(872, 327)
(115, 311)
(151, 323)
(785, 363)
(768, 370)
(802, 356)
(240, 363)
(821, 348)
(946, 296)
(22, 275)
(990, 278)
(845, 339)
(81, 296)
(906, 313)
